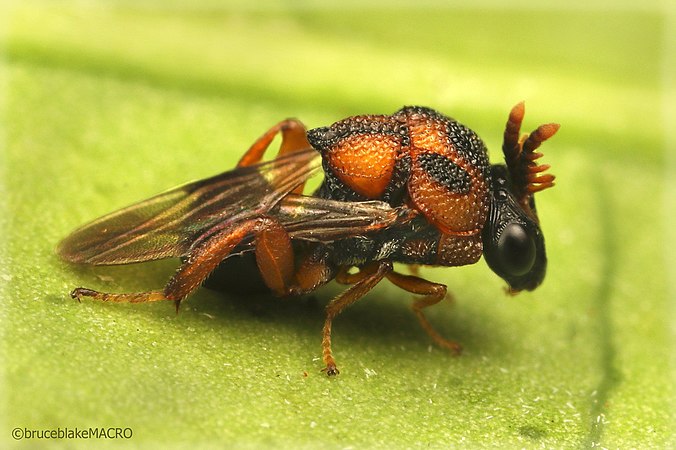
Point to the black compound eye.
(516, 250)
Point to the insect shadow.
(384, 320)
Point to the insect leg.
(313, 271)
(433, 293)
(136, 297)
(201, 261)
(274, 257)
(369, 277)
(294, 138)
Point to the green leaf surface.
(108, 103)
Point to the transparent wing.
(171, 223)
(320, 220)
(316, 219)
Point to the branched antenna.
(520, 156)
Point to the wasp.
(415, 187)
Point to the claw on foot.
(453, 347)
(331, 370)
(78, 293)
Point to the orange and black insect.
(415, 187)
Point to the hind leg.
(294, 138)
(274, 256)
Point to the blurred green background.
(106, 103)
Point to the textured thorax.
(416, 156)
